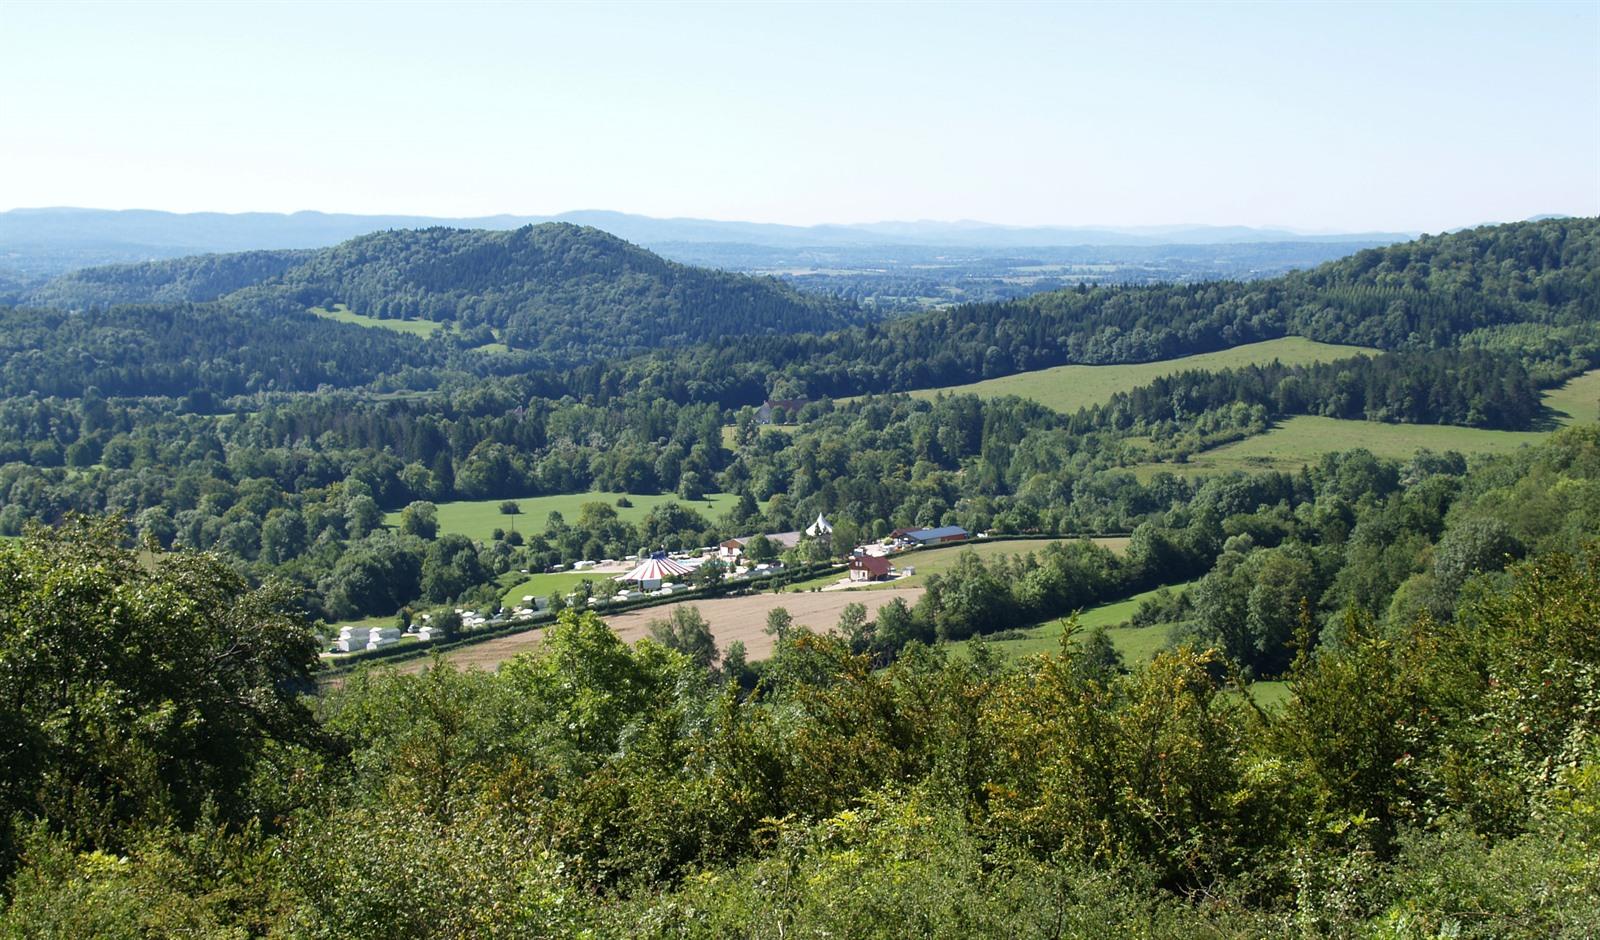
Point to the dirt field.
(730, 618)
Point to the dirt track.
(730, 618)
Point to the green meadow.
(1578, 401)
(1136, 644)
(477, 519)
(544, 585)
(343, 314)
(1296, 441)
(1068, 388)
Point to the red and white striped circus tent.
(653, 570)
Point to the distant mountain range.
(49, 241)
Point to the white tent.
(821, 528)
(653, 570)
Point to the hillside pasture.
(343, 314)
(1576, 402)
(478, 518)
(1068, 388)
(1303, 439)
(1136, 644)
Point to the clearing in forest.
(1068, 388)
(343, 314)
(478, 518)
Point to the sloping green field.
(544, 585)
(1136, 644)
(1303, 439)
(1068, 388)
(1578, 401)
(422, 328)
(477, 519)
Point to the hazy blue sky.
(1348, 116)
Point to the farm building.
(869, 568)
(734, 548)
(939, 536)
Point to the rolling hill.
(572, 292)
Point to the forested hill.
(567, 290)
(197, 278)
(1529, 289)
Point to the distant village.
(664, 574)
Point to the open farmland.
(1068, 388)
(343, 314)
(478, 518)
(742, 619)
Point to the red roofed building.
(868, 568)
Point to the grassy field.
(1303, 439)
(343, 314)
(1578, 401)
(1068, 388)
(1136, 644)
(544, 585)
(477, 519)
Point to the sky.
(1343, 117)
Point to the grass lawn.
(1578, 401)
(422, 328)
(1068, 388)
(477, 519)
(544, 585)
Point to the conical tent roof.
(657, 567)
(820, 527)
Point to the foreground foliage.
(1443, 779)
